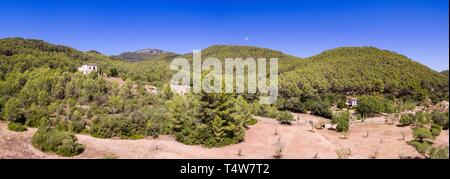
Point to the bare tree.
(403, 135)
(278, 141)
(278, 152)
(344, 135)
(158, 147)
(316, 156)
(343, 153)
(239, 152)
(375, 155)
(311, 123)
(279, 149)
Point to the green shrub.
(420, 119)
(18, 127)
(12, 111)
(119, 126)
(341, 104)
(267, 111)
(389, 106)
(438, 152)
(319, 108)
(104, 127)
(421, 133)
(136, 136)
(370, 105)
(407, 105)
(77, 126)
(110, 157)
(342, 125)
(358, 117)
(113, 72)
(61, 124)
(421, 147)
(59, 142)
(435, 130)
(252, 121)
(441, 119)
(285, 117)
(407, 120)
(37, 116)
(342, 120)
(294, 105)
(157, 122)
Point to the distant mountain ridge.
(151, 51)
(144, 54)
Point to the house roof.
(352, 99)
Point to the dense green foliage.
(18, 127)
(421, 147)
(370, 105)
(363, 70)
(19, 55)
(435, 130)
(438, 152)
(266, 110)
(407, 120)
(421, 133)
(441, 119)
(56, 96)
(209, 119)
(438, 120)
(59, 142)
(341, 119)
(12, 111)
(422, 144)
(285, 117)
(286, 62)
(40, 87)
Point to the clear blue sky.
(418, 29)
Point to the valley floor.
(260, 142)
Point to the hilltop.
(144, 54)
(362, 70)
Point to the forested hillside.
(363, 70)
(18, 54)
(286, 62)
(40, 87)
(342, 71)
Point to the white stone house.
(351, 102)
(88, 68)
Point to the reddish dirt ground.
(260, 142)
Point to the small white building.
(351, 102)
(88, 68)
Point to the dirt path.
(260, 142)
